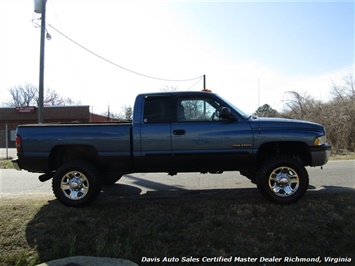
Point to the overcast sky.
(251, 52)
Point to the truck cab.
(190, 132)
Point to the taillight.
(18, 143)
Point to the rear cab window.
(157, 109)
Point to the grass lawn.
(5, 164)
(35, 230)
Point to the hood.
(284, 123)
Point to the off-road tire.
(76, 183)
(282, 179)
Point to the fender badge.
(242, 145)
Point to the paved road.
(336, 175)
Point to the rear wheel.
(76, 184)
(282, 179)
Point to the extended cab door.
(155, 134)
(202, 141)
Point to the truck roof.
(177, 93)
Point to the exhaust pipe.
(45, 177)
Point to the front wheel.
(282, 179)
(76, 184)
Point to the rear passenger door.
(155, 134)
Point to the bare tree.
(350, 85)
(28, 95)
(337, 115)
(346, 91)
(169, 89)
(298, 105)
(126, 113)
(22, 95)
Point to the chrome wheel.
(283, 181)
(75, 185)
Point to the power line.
(195, 83)
(124, 68)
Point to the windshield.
(244, 115)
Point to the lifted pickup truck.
(174, 132)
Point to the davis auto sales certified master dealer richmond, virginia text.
(235, 259)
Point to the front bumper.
(320, 154)
(16, 164)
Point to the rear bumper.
(30, 162)
(320, 154)
(16, 164)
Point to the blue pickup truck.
(174, 132)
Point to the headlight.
(319, 141)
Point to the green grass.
(343, 156)
(219, 224)
(5, 164)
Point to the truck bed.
(108, 140)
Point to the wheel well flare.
(294, 148)
(62, 154)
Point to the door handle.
(179, 132)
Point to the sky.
(252, 52)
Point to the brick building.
(11, 117)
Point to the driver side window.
(197, 109)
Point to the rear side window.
(157, 110)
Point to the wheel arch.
(61, 154)
(294, 148)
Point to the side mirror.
(226, 113)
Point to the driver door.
(202, 141)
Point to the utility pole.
(41, 61)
